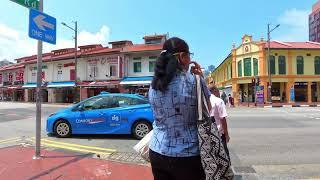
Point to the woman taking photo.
(174, 146)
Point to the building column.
(84, 93)
(235, 92)
(50, 96)
(234, 63)
(318, 91)
(282, 89)
(262, 61)
(290, 70)
(264, 83)
(309, 92)
(26, 95)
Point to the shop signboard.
(260, 94)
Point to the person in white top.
(219, 113)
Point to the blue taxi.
(106, 113)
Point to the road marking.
(303, 105)
(75, 149)
(9, 140)
(79, 146)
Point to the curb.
(295, 105)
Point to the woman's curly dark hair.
(167, 63)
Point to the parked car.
(106, 113)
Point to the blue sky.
(209, 26)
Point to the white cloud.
(15, 44)
(84, 38)
(294, 25)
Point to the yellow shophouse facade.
(295, 70)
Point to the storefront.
(61, 92)
(7, 94)
(246, 92)
(137, 85)
(89, 89)
(30, 93)
(301, 91)
(18, 93)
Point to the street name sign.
(28, 3)
(42, 27)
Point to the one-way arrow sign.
(42, 27)
(41, 23)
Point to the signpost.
(28, 3)
(43, 28)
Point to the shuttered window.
(282, 64)
(247, 67)
(240, 69)
(300, 65)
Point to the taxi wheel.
(140, 129)
(62, 129)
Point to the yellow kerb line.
(78, 145)
(74, 149)
(9, 140)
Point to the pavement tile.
(17, 163)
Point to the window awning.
(61, 84)
(136, 80)
(30, 85)
(110, 83)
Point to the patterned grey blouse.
(175, 119)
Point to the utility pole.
(75, 29)
(75, 56)
(269, 63)
(38, 91)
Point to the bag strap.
(206, 105)
(199, 97)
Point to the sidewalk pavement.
(16, 163)
(297, 104)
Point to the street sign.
(42, 27)
(28, 3)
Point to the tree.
(5, 62)
(211, 68)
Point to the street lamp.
(269, 62)
(75, 29)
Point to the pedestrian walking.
(219, 113)
(174, 146)
(224, 97)
(231, 101)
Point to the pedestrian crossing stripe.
(9, 140)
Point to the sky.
(210, 27)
